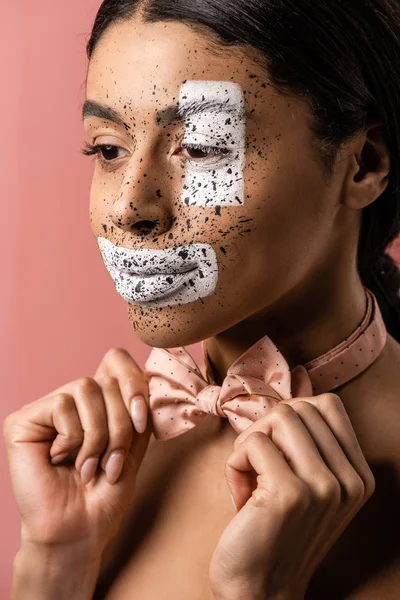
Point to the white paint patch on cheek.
(216, 180)
(161, 277)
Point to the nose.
(143, 205)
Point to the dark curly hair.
(343, 58)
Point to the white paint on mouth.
(215, 180)
(158, 287)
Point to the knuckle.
(333, 400)
(8, 426)
(302, 405)
(62, 401)
(355, 489)
(9, 420)
(107, 381)
(281, 411)
(116, 352)
(282, 408)
(86, 385)
(369, 484)
(255, 437)
(296, 498)
(122, 435)
(71, 440)
(96, 438)
(327, 489)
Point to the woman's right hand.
(89, 419)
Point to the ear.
(368, 168)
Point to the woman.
(246, 188)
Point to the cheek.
(287, 194)
(96, 206)
(217, 187)
(288, 212)
(103, 191)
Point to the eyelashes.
(207, 150)
(212, 154)
(98, 150)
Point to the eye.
(105, 152)
(108, 154)
(199, 151)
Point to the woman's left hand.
(298, 477)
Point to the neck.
(306, 322)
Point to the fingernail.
(114, 466)
(89, 469)
(139, 413)
(233, 502)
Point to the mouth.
(147, 288)
(161, 277)
(153, 271)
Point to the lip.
(153, 287)
(152, 271)
(144, 262)
(161, 277)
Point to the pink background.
(56, 320)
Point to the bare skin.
(182, 505)
(294, 244)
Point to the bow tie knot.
(209, 400)
(215, 399)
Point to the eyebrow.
(166, 116)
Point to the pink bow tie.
(181, 397)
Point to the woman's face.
(219, 212)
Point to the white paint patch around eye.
(165, 277)
(215, 180)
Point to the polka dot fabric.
(181, 396)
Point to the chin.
(167, 338)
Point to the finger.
(92, 413)
(66, 422)
(120, 428)
(256, 465)
(352, 486)
(285, 428)
(333, 411)
(50, 425)
(118, 363)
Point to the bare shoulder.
(385, 585)
(383, 376)
(367, 555)
(372, 401)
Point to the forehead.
(138, 69)
(148, 63)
